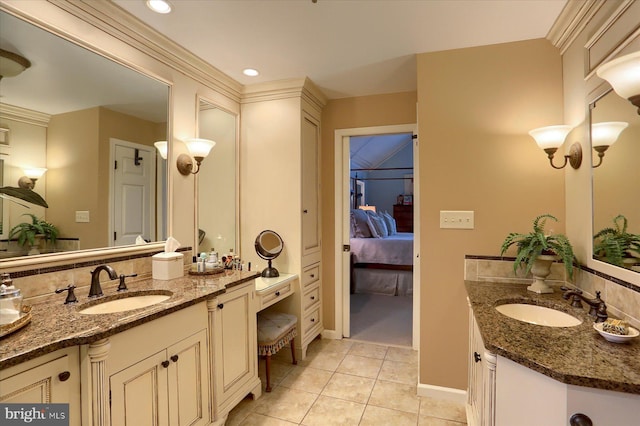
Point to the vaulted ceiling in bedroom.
(369, 152)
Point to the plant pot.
(35, 248)
(540, 270)
(630, 262)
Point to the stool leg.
(293, 351)
(268, 368)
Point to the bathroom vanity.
(526, 374)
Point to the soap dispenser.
(10, 301)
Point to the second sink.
(125, 304)
(539, 315)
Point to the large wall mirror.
(92, 123)
(217, 180)
(616, 181)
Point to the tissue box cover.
(167, 266)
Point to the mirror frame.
(201, 98)
(44, 260)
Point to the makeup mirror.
(269, 245)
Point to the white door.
(134, 200)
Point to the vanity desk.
(272, 290)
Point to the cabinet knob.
(165, 364)
(313, 320)
(313, 298)
(220, 305)
(64, 376)
(477, 357)
(579, 419)
(277, 293)
(174, 358)
(305, 211)
(312, 275)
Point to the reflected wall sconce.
(199, 149)
(32, 174)
(603, 135)
(162, 148)
(623, 74)
(551, 138)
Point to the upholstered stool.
(275, 330)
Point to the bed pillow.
(361, 224)
(379, 225)
(391, 223)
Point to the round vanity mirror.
(268, 246)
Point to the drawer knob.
(165, 364)
(312, 275)
(277, 293)
(174, 358)
(313, 320)
(64, 376)
(220, 305)
(579, 419)
(313, 298)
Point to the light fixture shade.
(606, 133)
(34, 172)
(199, 148)
(162, 147)
(12, 64)
(623, 74)
(550, 136)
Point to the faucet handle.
(71, 296)
(122, 286)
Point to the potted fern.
(536, 251)
(32, 232)
(617, 246)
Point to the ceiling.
(347, 48)
(369, 152)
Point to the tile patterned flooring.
(345, 382)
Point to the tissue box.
(167, 266)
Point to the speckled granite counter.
(55, 325)
(573, 355)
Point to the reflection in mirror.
(269, 245)
(217, 181)
(616, 192)
(92, 123)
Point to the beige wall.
(476, 107)
(365, 111)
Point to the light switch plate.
(456, 219)
(82, 216)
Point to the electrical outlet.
(454, 219)
(82, 216)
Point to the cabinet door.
(45, 383)
(235, 343)
(187, 390)
(139, 393)
(310, 186)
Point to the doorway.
(343, 203)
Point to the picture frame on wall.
(407, 199)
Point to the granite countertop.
(573, 355)
(55, 325)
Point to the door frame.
(341, 229)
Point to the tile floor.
(345, 382)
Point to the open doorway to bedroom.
(380, 295)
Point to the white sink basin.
(539, 315)
(125, 304)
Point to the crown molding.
(23, 115)
(283, 89)
(574, 17)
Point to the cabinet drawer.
(311, 321)
(311, 298)
(270, 297)
(310, 276)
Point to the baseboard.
(442, 393)
(331, 334)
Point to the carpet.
(382, 319)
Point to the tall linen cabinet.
(280, 189)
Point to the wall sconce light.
(162, 147)
(603, 135)
(199, 149)
(551, 138)
(32, 174)
(623, 74)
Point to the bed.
(381, 263)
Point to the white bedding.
(395, 249)
(383, 281)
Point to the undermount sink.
(126, 303)
(539, 315)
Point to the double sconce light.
(624, 76)
(32, 174)
(198, 148)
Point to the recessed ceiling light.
(250, 72)
(159, 6)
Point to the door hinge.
(109, 398)
(115, 236)
(346, 247)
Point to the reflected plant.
(614, 244)
(27, 232)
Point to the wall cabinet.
(52, 378)
(232, 318)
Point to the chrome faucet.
(96, 289)
(598, 307)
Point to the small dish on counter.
(23, 320)
(616, 338)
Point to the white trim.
(441, 393)
(330, 334)
(340, 198)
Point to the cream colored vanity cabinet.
(158, 372)
(481, 392)
(51, 378)
(233, 333)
